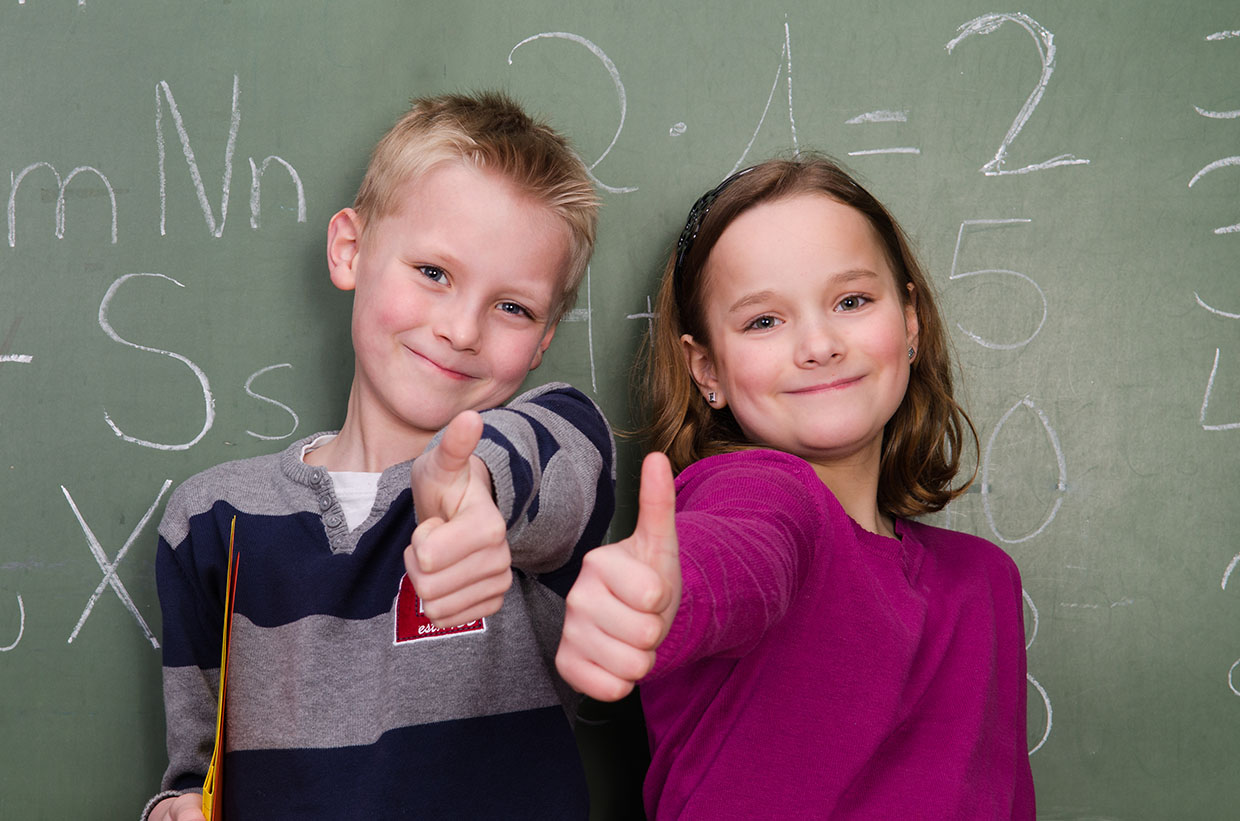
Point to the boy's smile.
(454, 292)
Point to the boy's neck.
(369, 445)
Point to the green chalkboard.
(1068, 170)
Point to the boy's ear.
(542, 346)
(702, 369)
(344, 237)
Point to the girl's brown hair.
(922, 441)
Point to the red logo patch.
(412, 624)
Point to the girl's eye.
(433, 273)
(515, 309)
(852, 302)
(764, 323)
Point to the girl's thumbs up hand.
(625, 598)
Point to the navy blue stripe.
(518, 467)
(512, 766)
(287, 571)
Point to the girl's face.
(808, 331)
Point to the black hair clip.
(698, 213)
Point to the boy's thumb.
(655, 534)
(460, 438)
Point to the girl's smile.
(807, 330)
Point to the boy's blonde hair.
(487, 130)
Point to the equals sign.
(25, 359)
(881, 116)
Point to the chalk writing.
(110, 578)
(1046, 699)
(894, 150)
(1213, 310)
(214, 226)
(647, 315)
(21, 625)
(1045, 43)
(783, 70)
(954, 275)
(586, 315)
(1205, 401)
(615, 79)
(248, 389)
(256, 175)
(1231, 672)
(5, 356)
(15, 182)
(987, 459)
(207, 399)
(1219, 115)
(1210, 168)
(881, 116)
(163, 94)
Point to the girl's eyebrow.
(841, 278)
(750, 299)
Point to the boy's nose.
(459, 327)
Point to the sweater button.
(325, 502)
(333, 520)
(316, 477)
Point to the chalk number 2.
(1045, 43)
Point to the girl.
(824, 655)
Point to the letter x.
(109, 567)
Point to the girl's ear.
(702, 368)
(911, 327)
(344, 237)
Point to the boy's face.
(454, 292)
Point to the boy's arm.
(551, 458)
(191, 652)
(534, 490)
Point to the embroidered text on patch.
(412, 624)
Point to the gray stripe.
(325, 682)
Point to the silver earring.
(911, 352)
(710, 397)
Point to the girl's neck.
(854, 483)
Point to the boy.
(371, 674)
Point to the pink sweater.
(816, 670)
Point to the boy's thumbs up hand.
(458, 560)
(625, 598)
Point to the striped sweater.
(344, 701)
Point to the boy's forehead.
(455, 194)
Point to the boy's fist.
(187, 807)
(625, 598)
(458, 560)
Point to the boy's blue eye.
(432, 273)
(515, 309)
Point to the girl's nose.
(818, 343)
